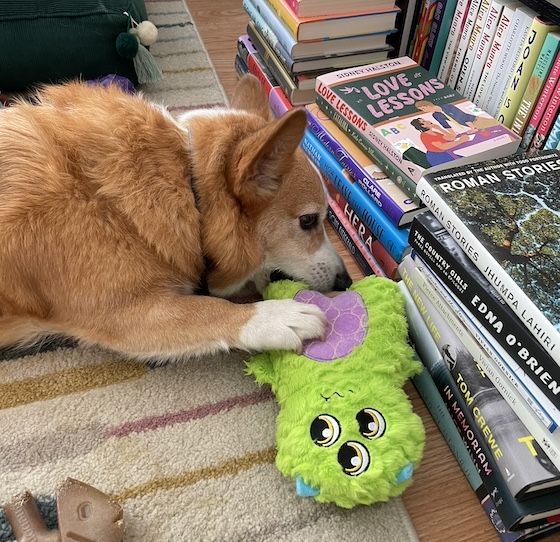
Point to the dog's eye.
(371, 422)
(308, 222)
(325, 430)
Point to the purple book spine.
(366, 182)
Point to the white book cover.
(511, 54)
(453, 39)
(463, 42)
(474, 40)
(481, 53)
(495, 53)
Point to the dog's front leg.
(174, 326)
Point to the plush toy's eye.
(353, 457)
(371, 422)
(325, 430)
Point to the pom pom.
(147, 33)
(127, 45)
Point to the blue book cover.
(554, 137)
(395, 240)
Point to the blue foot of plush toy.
(303, 490)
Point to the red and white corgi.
(112, 213)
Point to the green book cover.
(414, 119)
(442, 36)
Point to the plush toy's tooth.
(303, 490)
(405, 474)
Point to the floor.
(440, 502)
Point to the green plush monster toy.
(346, 431)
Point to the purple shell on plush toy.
(347, 320)
(113, 79)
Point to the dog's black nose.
(277, 275)
(342, 281)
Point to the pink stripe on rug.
(152, 423)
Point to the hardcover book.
(505, 215)
(394, 239)
(412, 119)
(487, 425)
(438, 249)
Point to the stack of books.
(500, 54)
(482, 286)
(301, 39)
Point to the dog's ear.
(266, 156)
(250, 96)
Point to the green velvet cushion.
(43, 41)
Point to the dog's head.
(280, 203)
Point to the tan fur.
(100, 236)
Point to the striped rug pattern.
(188, 450)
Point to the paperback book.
(411, 118)
(396, 204)
(505, 215)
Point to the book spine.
(372, 245)
(536, 82)
(547, 335)
(457, 407)
(547, 120)
(434, 32)
(273, 64)
(278, 101)
(522, 71)
(480, 299)
(367, 183)
(240, 66)
(481, 53)
(542, 104)
(271, 27)
(393, 239)
(463, 42)
(407, 17)
(422, 29)
(431, 395)
(511, 55)
(442, 36)
(506, 376)
(294, 6)
(472, 47)
(352, 242)
(494, 55)
(286, 16)
(554, 137)
(394, 172)
(452, 42)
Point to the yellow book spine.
(523, 70)
(286, 15)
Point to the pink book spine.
(548, 119)
(542, 104)
(293, 5)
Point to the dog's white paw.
(282, 325)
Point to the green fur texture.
(370, 377)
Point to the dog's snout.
(342, 281)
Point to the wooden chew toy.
(85, 514)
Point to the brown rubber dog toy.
(85, 514)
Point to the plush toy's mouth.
(337, 394)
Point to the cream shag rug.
(188, 450)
